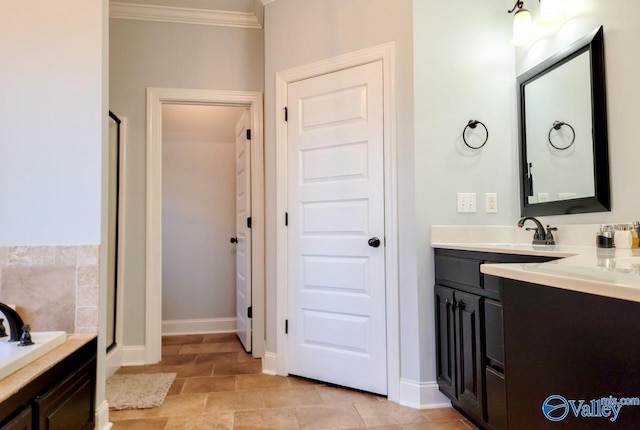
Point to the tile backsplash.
(53, 287)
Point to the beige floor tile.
(295, 381)
(177, 359)
(145, 424)
(261, 382)
(442, 414)
(220, 337)
(291, 397)
(384, 413)
(176, 387)
(218, 357)
(328, 417)
(202, 348)
(209, 384)
(234, 401)
(243, 368)
(170, 349)
(182, 405)
(188, 370)
(441, 425)
(182, 339)
(134, 370)
(277, 419)
(470, 425)
(341, 395)
(216, 421)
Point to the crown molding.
(266, 2)
(181, 15)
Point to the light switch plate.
(466, 202)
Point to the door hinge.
(249, 222)
(286, 326)
(250, 312)
(286, 218)
(248, 134)
(286, 113)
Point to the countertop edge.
(11, 384)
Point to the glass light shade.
(550, 13)
(522, 28)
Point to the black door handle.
(234, 240)
(374, 242)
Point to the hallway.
(219, 386)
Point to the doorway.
(287, 291)
(156, 98)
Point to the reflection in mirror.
(563, 132)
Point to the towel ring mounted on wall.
(472, 124)
(557, 125)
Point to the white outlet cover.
(466, 202)
(491, 203)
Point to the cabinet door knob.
(461, 304)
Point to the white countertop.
(606, 272)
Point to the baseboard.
(197, 326)
(269, 363)
(102, 417)
(134, 355)
(114, 360)
(422, 395)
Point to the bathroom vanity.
(55, 392)
(539, 342)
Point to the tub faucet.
(15, 322)
(539, 236)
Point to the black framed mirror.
(564, 148)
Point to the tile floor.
(219, 386)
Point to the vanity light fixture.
(551, 13)
(522, 26)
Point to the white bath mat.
(139, 391)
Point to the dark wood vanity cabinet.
(62, 398)
(469, 334)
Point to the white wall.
(152, 54)
(464, 69)
(198, 216)
(622, 62)
(302, 32)
(50, 122)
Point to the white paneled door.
(336, 254)
(243, 232)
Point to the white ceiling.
(196, 123)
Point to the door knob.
(374, 242)
(234, 240)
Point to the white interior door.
(243, 232)
(337, 306)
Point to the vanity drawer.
(491, 283)
(457, 270)
(494, 334)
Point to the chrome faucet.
(15, 322)
(540, 237)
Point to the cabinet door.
(445, 341)
(23, 421)
(469, 375)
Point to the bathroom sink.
(14, 357)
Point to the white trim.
(155, 98)
(114, 360)
(422, 395)
(102, 416)
(134, 355)
(182, 15)
(386, 53)
(199, 326)
(266, 2)
(270, 363)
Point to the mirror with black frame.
(564, 149)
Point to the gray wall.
(51, 122)
(198, 218)
(151, 54)
(301, 32)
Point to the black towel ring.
(472, 124)
(557, 125)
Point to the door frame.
(156, 97)
(386, 54)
